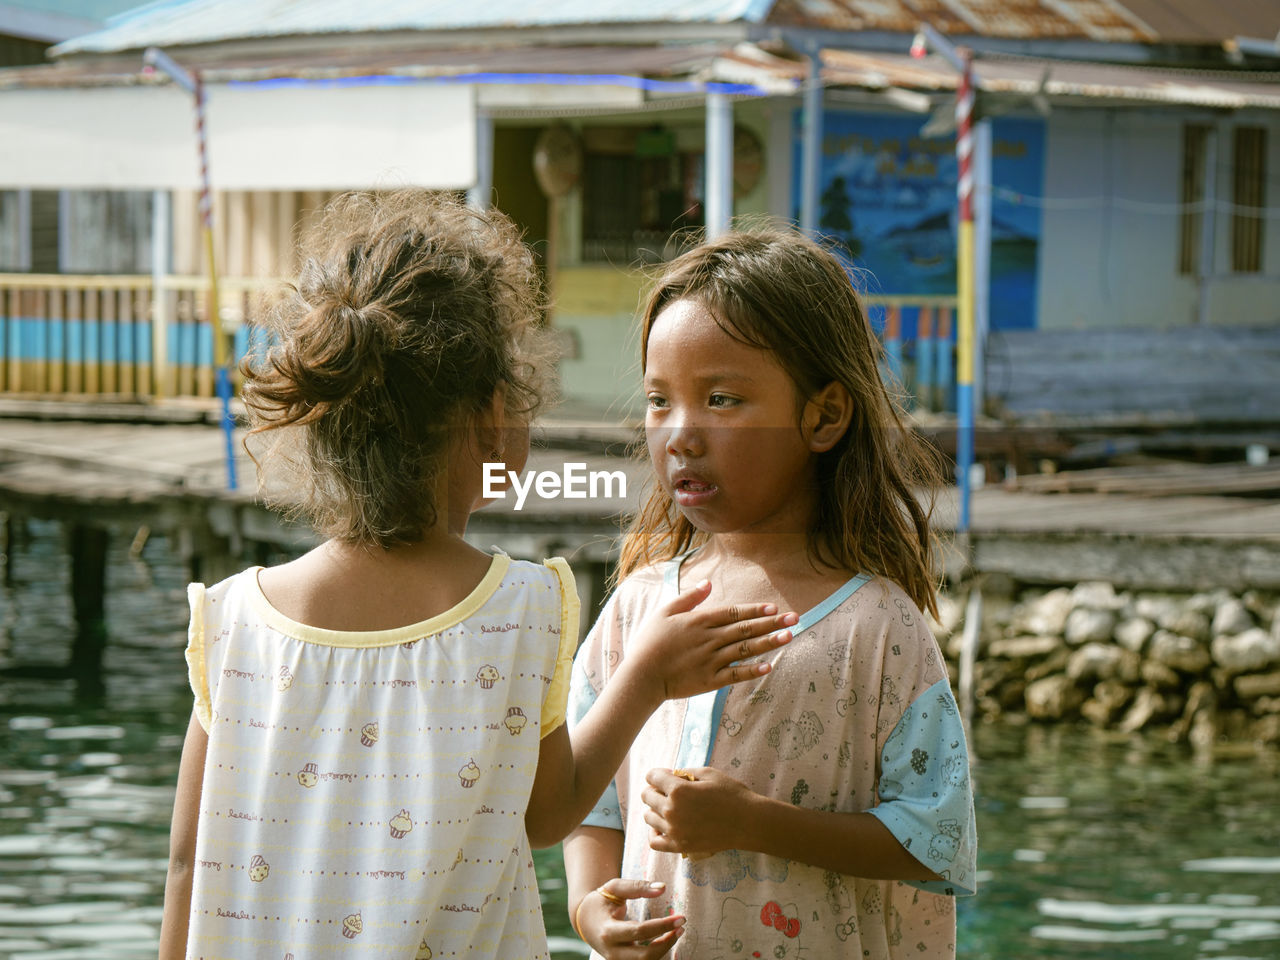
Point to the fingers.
(652, 798)
(663, 843)
(763, 640)
(735, 612)
(654, 820)
(660, 780)
(654, 927)
(661, 946)
(619, 947)
(633, 889)
(745, 630)
(727, 676)
(688, 599)
(616, 937)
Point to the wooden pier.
(163, 470)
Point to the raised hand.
(695, 812)
(602, 922)
(690, 648)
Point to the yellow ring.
(611, 897)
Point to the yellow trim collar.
(380, 638)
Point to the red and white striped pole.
(964, 139)
(964, 289)
(190, 81)
(206, 223)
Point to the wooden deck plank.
(125, 470)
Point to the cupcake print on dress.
(400, 824)
(309, 776)
(487, 675)
(469, 774)
(258, 869)
(369, 733)
(352, 926)
(515, 720)
(284, 679)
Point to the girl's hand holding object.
(601, 921)
(695, 812)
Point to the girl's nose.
(683, 437)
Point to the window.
(108, 231)
(15, 230)
(1248, 197)
(1194, 154)
(638, 188)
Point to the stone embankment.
(1200, 666)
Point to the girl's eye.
(656, 402)
(722, 400)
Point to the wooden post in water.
(6, 549)
(88, 549)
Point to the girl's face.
(723, 426)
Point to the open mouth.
(691, 491)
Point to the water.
(1091, 845)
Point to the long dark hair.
(779, 291)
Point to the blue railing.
(919, 337)
(113, 335)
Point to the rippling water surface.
(1091, 846)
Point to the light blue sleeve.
(606, 812)
(926, 799)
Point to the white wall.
(1244, 299)
(1110, 257)
(260, 137)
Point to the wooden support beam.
(88, 549)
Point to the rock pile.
(1204, 665)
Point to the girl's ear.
(826, 416)
(488, 425)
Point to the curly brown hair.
(409, 311)
(776, 290)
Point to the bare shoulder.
(345, 588)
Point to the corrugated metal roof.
(1063, 80)
(194, 22)
(45, 26)
(185, 22)
(1101, 20)
(666, 62)
(1199, 21)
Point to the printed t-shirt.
(366, 791)
(857, 715)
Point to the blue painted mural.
(888, 196)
